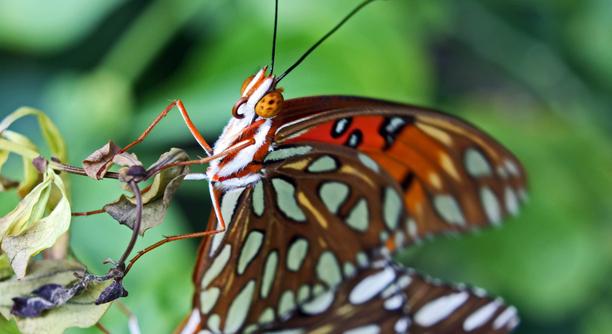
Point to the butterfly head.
(259, 96)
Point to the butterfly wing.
(348, 179)
(453, 176)
(391, 299)
(313, 220)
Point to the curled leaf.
(32, 227)
(156, 198)
(52, 136)
(12, 142)
(126, 160)
(52, 302)
(97, 163)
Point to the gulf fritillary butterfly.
(313, 195)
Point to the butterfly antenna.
(274, 35)
(329, 33)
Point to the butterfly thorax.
(251, 121)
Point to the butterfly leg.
(192, 128)
(219, 229)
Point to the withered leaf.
(156, 198)
(126, 160)
(97, 163)
(36, 223)
(49, 285)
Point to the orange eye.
(270, 104)
(245, 84)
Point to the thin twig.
(136, 228)
(102, 328)
(59, 166)
(88, 213)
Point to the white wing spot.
(323, 164)
(296, 254)
(285, 199)
(328, 269)
(209, 299)
(285, 153)
(448, 208)
(505, 318)
(511, 201)
(333, 194)
(214, 321)
(358, 218)
(286, 304)
(258, 199)
(412, 228)
(320, 304)
(392, 208)
(239, 308)
(476, 164)
(303, 294)
(249, 250)
(439, 309)
(480, 316)
(269, 273)
(368, 162)
(229, 202)
(512, 168)
(217, 265)
(394, 303)
(402, 325)
(349, 269)
(370, 286)
(369, 329)
(362, 260)
(490, 204)
(267, 316)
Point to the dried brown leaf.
(97, 163)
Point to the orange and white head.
(259, 96)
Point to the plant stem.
(56, 165)
(136, 228)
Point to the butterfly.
(312, 196)
(331, 187)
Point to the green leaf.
(156, 198)
(26, 231)
(78, 312)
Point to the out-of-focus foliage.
(536, 75)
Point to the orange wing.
(454, 177)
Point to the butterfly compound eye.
(245, 84)
(270, 104)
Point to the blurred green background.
(536, 75)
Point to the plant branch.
(134, 188)
(62, 167)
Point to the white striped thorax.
(258, 103)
